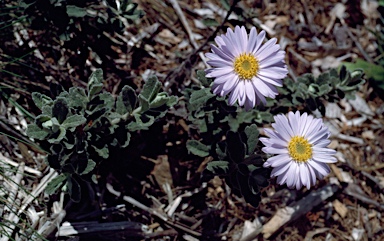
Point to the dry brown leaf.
(340, 208)
(162, 171)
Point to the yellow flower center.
(246, 66)
(299, 149)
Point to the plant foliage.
(80, 127)
(236, 157)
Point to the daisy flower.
(300, 142)
(245, 67)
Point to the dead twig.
(288, 214)
(75, 228)
(153, 212)
(355, 191)
(184, 22)
(178, 73)
(26, 169)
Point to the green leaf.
(41, 100)
(252, 138)
(139, 124)
(73, 121)
(218, 167)
(96, 89)
(77, 98)
(47, 110)
(36, 132)
(203, 80)
(40, 119)
(60, 136)
(201, 125)
(150, 89)
(161, 99)
(60, 109)
(200, 97)
(95, 83)
(172, 100)
(108, 100)
(48, 124)
(144, 103)
(55, 184)
(74, 11)
(197, 148)
(265, 116)
(68, 145)
(90, 166)
(126, 101)
(221, 150)
(126, 143)
(103, 152)
(242, 117)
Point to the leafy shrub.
(79, 127)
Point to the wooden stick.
(68, 229)
(290, 213)
(15, 164)
(156, 213)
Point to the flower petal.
(271, 69)
(279, 160)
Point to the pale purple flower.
(300, 142)
(245, 67)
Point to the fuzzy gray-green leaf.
(144, 103)
(61, 135)
(200, 97)
(95, 83)
(126, 101)
(201, 77)
(218, 167)
(197, 148)
(161, 99)
(172, 100)
(36, 132)
(55, 184)
(138, 124)
(252, 138)
(90, 166)
(77, 98)
(73, 121)
(126, 143)
(41, 100)
(103, 152)
(40, 119)
(151, 88)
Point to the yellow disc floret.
(246, 66)
(300, 149)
